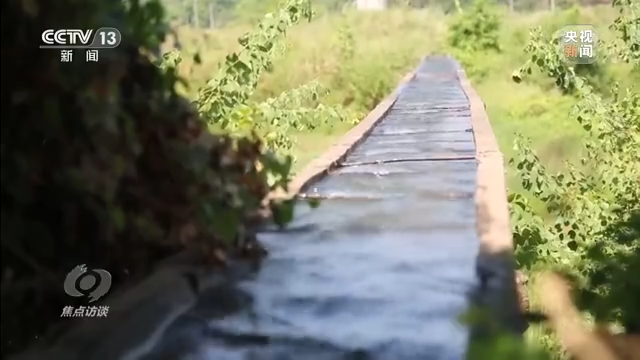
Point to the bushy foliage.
(474, 35)
(476, 29)
(105, 164)
(594, 205)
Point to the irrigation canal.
(386, 264)
(382, 270)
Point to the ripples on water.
(368, 297)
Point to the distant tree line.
(215, 13)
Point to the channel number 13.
(109, 38)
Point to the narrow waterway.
(381, 270)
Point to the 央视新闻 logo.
(578, 43)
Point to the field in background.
(361, 56)
(358, 57)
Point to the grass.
(360, 57)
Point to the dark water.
(381, 272)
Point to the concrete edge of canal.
(327, 161)
(496, 263)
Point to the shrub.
(476, 30)
(596, 204)
(105, 164)
(474, 37)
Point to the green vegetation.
(107, 165)
(575, 173)
(83, 148)
(590, 225)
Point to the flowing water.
(381, 270)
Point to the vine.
(226, 102)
